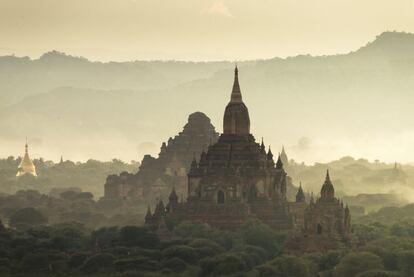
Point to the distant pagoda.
(26, 166)
(284, 157)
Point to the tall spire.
(236, 96)
(262, 147)
(300, 195)
(327, 191)
(236, 119)
(269, 153)
(327, 178)
(279, 163)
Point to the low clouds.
(218, 8)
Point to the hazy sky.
(196, 29)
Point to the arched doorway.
(319, 229)
(220, 197)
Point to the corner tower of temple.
(327, 191)
(236, 116)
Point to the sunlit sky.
(196, 29)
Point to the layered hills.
(320, 108)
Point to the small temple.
(326, 223)
(26, 166)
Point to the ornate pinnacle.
(328, 178)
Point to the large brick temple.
(236, 178)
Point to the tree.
(98, 262)
(139, 263)
(183, 252)
(406, 263)
(174, 264)
(285, 266)
(138, 236)
(27, 217)
(35, 262)
(105, 237)
(387, 249)
(43, 262)
(224, 264)
(202, 243)
(254, 232)
(191, 230)
(354, 263)
(379, 273)
(77, 259)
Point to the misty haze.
(320, 108)
(207, 138)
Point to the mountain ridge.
(385, 38)
(359, 96)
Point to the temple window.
(220, 197)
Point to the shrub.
(174, 264)
(98, 262)
(254, 232)
(35, 262)
(354, 263)
(43, 262)
(378, 273)
(406, 262)
(197, 243)
(285, 266)
(206, 248)
(168, 243)
(27, 217)
(267, 270)
(204, 252)
(137, 263)
(77, 259)
(230, 263)
(152, 254)
(257, 251)
(183, 252)
(223, 264)
(138, 236)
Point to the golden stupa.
(26, 165)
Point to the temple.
(235, 178)
(157, 176)
(26, 166)
(326, 223)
